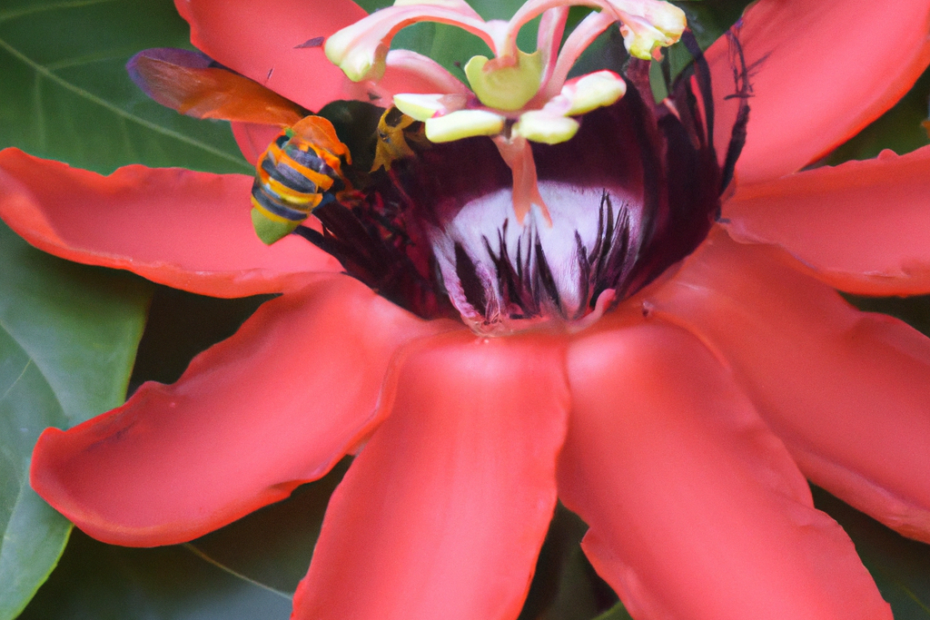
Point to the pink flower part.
(686, 491)
(577, 42)
(458, 479)
(803, 102)
(691, 407)
(841, 224)
(650, 23)
(229, 437)
(517, 154)
(824, 376)
(253, 139)
(361, 49)
(410, 72)
(549, 38)
(176, 227)
(264, 42)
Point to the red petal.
(261, 40)
(848, 392)
(189, 230)
(251, 418)
(443, 513)
(696, 510)
(863, 227)
(253, 139)
(820, 72)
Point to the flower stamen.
(515, 97)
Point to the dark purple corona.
(635, 191)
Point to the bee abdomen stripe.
(272, 205)
(286, 176)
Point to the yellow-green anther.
(358, 62)
(642, 41)
(667, 19)
(419, 107)
(508, 87)
(542, 127)
(596, 90)
(463, 124)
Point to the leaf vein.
(15, 381)
(88, 59)
(45, 72)
(910, 593)
(66, 4)
(206, 558)
(38, 367)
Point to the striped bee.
(300, 171)
(396, 134)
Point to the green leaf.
(565, 585)
(103, 582)
(618, 612)
(711, 18)
(181, 325)
(67, 96)
(68, 336)
(915, 311)
(900, 567)
(273, 546)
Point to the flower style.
(670, 375)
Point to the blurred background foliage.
(64, 95)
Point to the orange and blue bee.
(300, 171)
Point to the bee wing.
(192, 84)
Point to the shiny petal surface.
(253, 139)
(696, 510)
(848, 392)
(863, 227)
(275, 405)
(445, 509)
(820, 72)
(189, 230)
(409, 72)
(262, 40)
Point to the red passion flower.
(545, 302)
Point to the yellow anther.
(593, 91)
(420, 107)
(463, 124)
(539, 126)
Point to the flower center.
(503, 276)
(515, 97)
(633, 193)
(557, 218)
